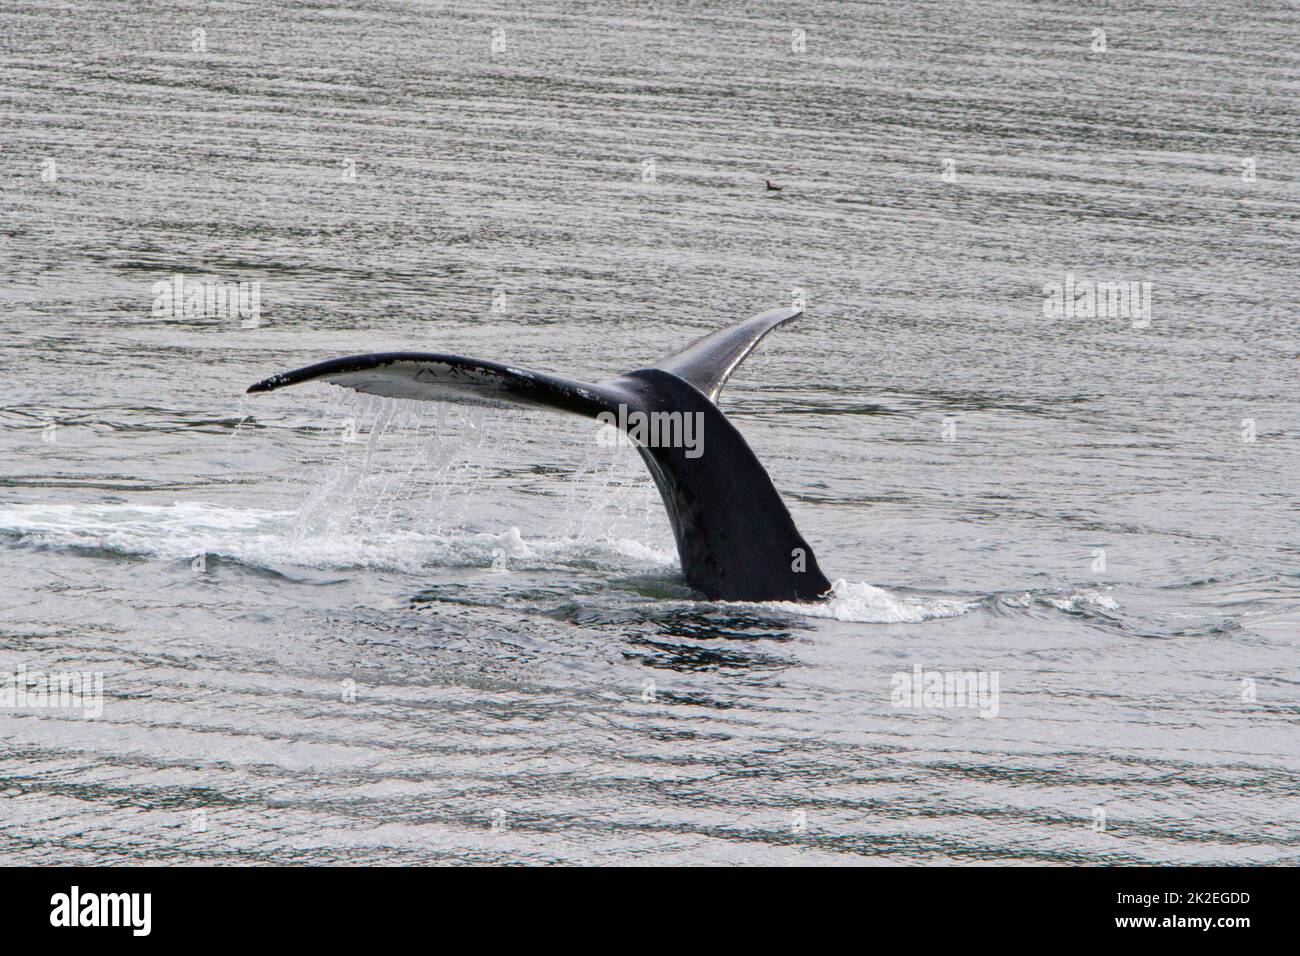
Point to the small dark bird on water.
(770, 187)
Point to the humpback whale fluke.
(735, 536)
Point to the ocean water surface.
(339, 629)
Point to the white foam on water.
(1088, 598)
(867, 604)
(273, 538)
(183, 530)
(1069, 601)
(166, 531)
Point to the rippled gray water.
(1072, 504)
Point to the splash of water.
(867, 604)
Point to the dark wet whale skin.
(735, 536)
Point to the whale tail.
(735, 536)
